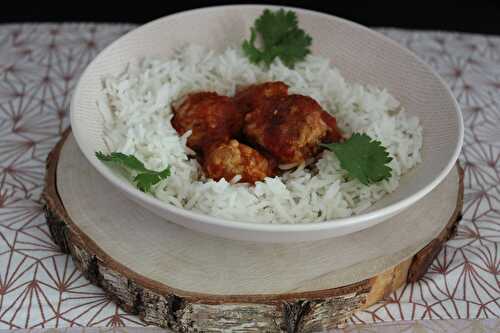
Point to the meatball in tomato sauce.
(333, 133)
(210, 117)
(290, 128)
(229, 159)
(258, 95)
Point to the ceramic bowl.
(362, 55)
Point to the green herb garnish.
(363, 158)
(144, 178)
(281, 37)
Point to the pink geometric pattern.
(424, 326)
(40, 286)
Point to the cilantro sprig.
(281, 37)
(363, 158)
(144, 178)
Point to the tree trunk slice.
(179, 279)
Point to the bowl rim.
(272, 227)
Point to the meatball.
(226, 160)
(289, 128)
(211, 118)
(257, 95)
(333, 133)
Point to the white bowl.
(361, 54)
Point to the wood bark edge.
(185, 311)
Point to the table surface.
(41, 287)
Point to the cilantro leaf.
(129, 161)
(144, 178)
(281, 37)
(363, 158)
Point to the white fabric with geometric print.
(40, 286)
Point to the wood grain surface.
(176, 278)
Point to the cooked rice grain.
(140, 99)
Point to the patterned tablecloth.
(40, 286)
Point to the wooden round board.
(177, 278)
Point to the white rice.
(140, 99)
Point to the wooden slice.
(188, 281)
